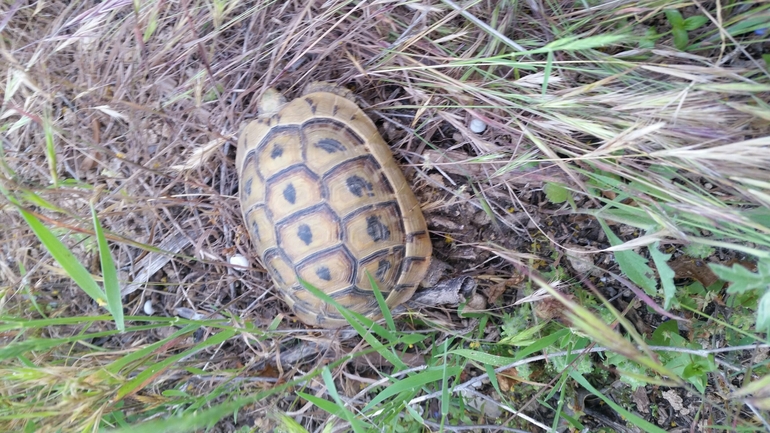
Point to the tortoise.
(324, 201)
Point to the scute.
(324, 201)
(307, 232)
(291, 191)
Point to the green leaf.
(695, 22)
(696, 371)
(432, 374)
(415, 415)
(152, 25)
(213, 93)
(555, 192)
(748, 24)
(667, 334)
(492, 377)
(763, 313)
(365, 326)
(288, 424)
(665, 273)
(343, 413)
(674, 18)
(576, 43)
(332, 408)
(547, 72)
(36, 200)
(741, 279)
(626, 414)
(699, 251)
(109, 274)
(541, 344)
(632, 217)
(650, 36)
(50, 150)
(144, 378)
(524, 338)
(381, 302)
(482, 357)
(445, 388)
(30, 427)
(633, 265)
(146, 351)
(680, 38)
(66, 259)
(19, 348)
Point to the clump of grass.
(630, 138)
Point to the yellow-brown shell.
(323, 200)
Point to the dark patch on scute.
(382, 268)
(276, 152)
(376, 229)
(374, 162)
(410, 237)
(402, 287)
(386, 183)
(277, 275)
(353, 118)
(255, 230)
(247, 187)
(357, 185)
(335, 109)
(335, 124)
(323, 273)
(313, 107)
(305, 234)
(289, 193)
(330, 145)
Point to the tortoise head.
(272, 101)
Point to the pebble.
(239, 262)
(478, 126)
(148, 308)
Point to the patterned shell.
(324, 201)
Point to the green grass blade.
(152, 371)
(66, 259)
(50, 150)
(109, 274)
(632, 263)
(344, 413)
(386, 315)
(413, 382)
(628, 415)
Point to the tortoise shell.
(324, 201)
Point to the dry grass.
(102, 99)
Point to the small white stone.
(478, 126)
(148, 309)
(239, 262)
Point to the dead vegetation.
(598, 133)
